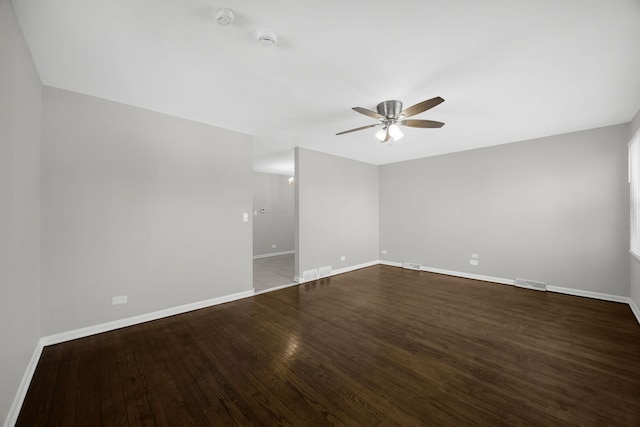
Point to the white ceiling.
(509, 70)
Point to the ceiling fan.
(391, 114)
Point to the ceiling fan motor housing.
(390, 109)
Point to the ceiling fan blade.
(356, 129)
(422, 106)
(422, 123)
(368, 112)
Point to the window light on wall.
(634, 184)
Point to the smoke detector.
(267, 39)
(224, 16)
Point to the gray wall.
(337, 208)
(141, 204)
(635, 123)
(276, 225)
(635, 263)
(20, 91)
(553, 209)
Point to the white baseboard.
(273, 254)
(391, 263)
(470, 276)
(130, 321)
(341, 271)
(455, 273)
(354, 267)
(275, 288)
(14, 411)
(588, 294)
(634, 309)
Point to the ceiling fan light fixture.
(381, 134)
(395, 132)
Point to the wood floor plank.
(378, 346)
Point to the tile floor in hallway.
(273, 271)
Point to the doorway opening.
(273, 231)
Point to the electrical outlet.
(245, 216)
(473, 262)
(119, 300)
(343, 258)
(384, 252)
(274, 246)
(475, 256)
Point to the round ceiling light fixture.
(267, 39)
(224, 17)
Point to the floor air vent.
(411, 266)
(324, 272)
(531, 284)
(310, 275)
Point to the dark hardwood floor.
(378, 346)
